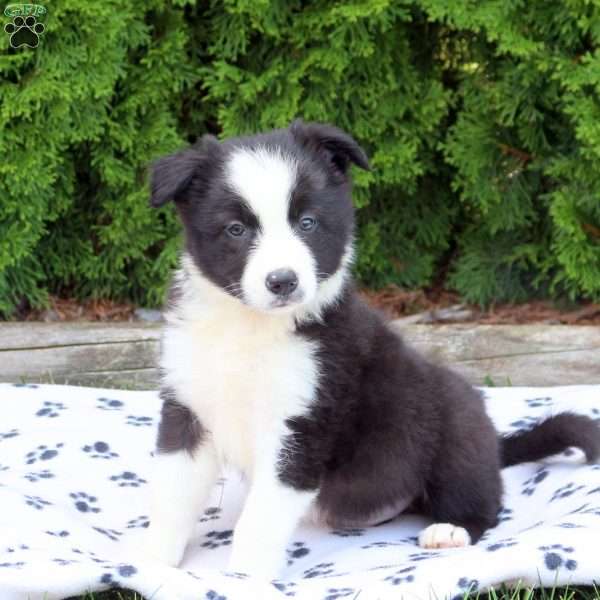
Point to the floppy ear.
(332, 143)
(171, 175)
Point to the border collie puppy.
(271, 363)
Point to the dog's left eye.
(236, 229)
(307, 223)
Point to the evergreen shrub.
(481, 119)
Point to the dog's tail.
(552, 436)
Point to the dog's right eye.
(236, 229)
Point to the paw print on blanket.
(109, 404)
(539, 402)
(128, 479)
(467, 586)
(320, 570)
(555, 559)
(117, 572)
(99, 450)
(565, 491)
(298, 550)
(9, 434)
(335, 593)
(348, 532)
(42, 452)
(139, 522)
(405, 575)
(216, 539)
(35, 476)
(505, 514)
(84, 502)
(212, 595)
(36, 502)
(63, 562)
(531, 484)
(499, 545)
(212, 513)
(62, 533)
(111, 534)
(285, 587)
(142, 421)
(50, 409)
(419, 556)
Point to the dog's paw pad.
(444, 535)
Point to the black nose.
(282, 282)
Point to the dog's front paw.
(166, 549)
(444, 535)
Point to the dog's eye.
(307, 223)
(236, 229)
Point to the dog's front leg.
(270, 515)
(184, 472)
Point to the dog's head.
(267, 218)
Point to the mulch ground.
(397, 303)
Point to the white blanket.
(74, 466)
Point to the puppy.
(271, 363)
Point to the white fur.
(264, 180)
(243, 372)
(444, 535)
(180, 487)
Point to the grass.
(558, 593)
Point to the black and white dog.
(271, 363)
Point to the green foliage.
(481, 120)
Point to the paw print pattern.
(565, 491)
(335, 593)
(212, 513)
(111, 534)
(139, 421)
(568, 525)
(382, 544)
(24, 32)
(539, 402)
(320, 570)
(42, 453)
(9, 434)
(119, 571)
(348, 532)
(50, 409)
(405, 575)
(286, 588)
(554, 558)
(128, 479)
(531, 484)
(100, 450)
(419, 556)
(63, 562)
(212, 595)
(35, 476)
(216, 539)
(139, 522)
(109, 404)
(36, 502)
(298, 550)
(506, 543)
(594, 491)
(467, 586)
(62, 533)
(84, 502)
(505, 514)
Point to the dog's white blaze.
(265, 179)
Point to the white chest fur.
(241, 372)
